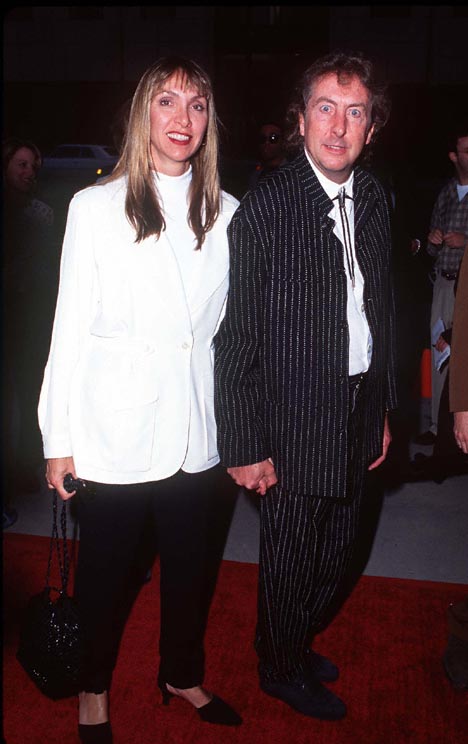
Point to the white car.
(98, 160)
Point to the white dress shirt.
(360, 339)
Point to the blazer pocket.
(119, 404)
(123, 373)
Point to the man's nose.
(339, 123)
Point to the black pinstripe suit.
(282, 387)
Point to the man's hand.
(387, 438)
(259, 476)
(436, 236)
(460, 430)
(56, 470)
(441, 344)
(455, 239)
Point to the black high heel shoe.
(97, 733)
(216, 711)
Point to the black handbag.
(50, 648)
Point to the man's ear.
(301, 124)
(369, 134)
(453, 157)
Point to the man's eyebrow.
(325, 99)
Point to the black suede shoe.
(455, 660)
(427, 438)
(98, 733)
(320, 667)
(307, 696)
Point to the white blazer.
(130, 371)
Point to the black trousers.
(306, 544)
(113, 523)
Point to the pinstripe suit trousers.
(306, 543)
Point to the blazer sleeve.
(238, 350)
(458, 364)
(391, 400)
(76, 306)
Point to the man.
(271, 150)
(455, 658)
(458, 381)
(304, 367)
(447, 240)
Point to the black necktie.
(342, 196)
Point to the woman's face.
(22, 170)
(178, 118)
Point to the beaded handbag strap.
(60, 545)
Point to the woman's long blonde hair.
(142, 205)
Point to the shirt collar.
(330, 187)
(462, 191)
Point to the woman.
(127, 398)
(28, 267)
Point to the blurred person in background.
(29, 290)
(271, 150)
(455, 658)
(447, 241)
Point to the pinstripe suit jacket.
(281, 353)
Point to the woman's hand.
(56, 470)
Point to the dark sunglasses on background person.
(271, 138)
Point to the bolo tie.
(342, 196)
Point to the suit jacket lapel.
(364, 194)
(365, 198)
(211, 266)
(311, 185)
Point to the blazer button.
(185, 345)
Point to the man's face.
(270, 143)
(460, 159)
(336, 125)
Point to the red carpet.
(388, 641)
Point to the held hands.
(259, 476)
(56, 470)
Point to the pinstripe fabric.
(306, 544)
(281, 354)
(305, 548)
